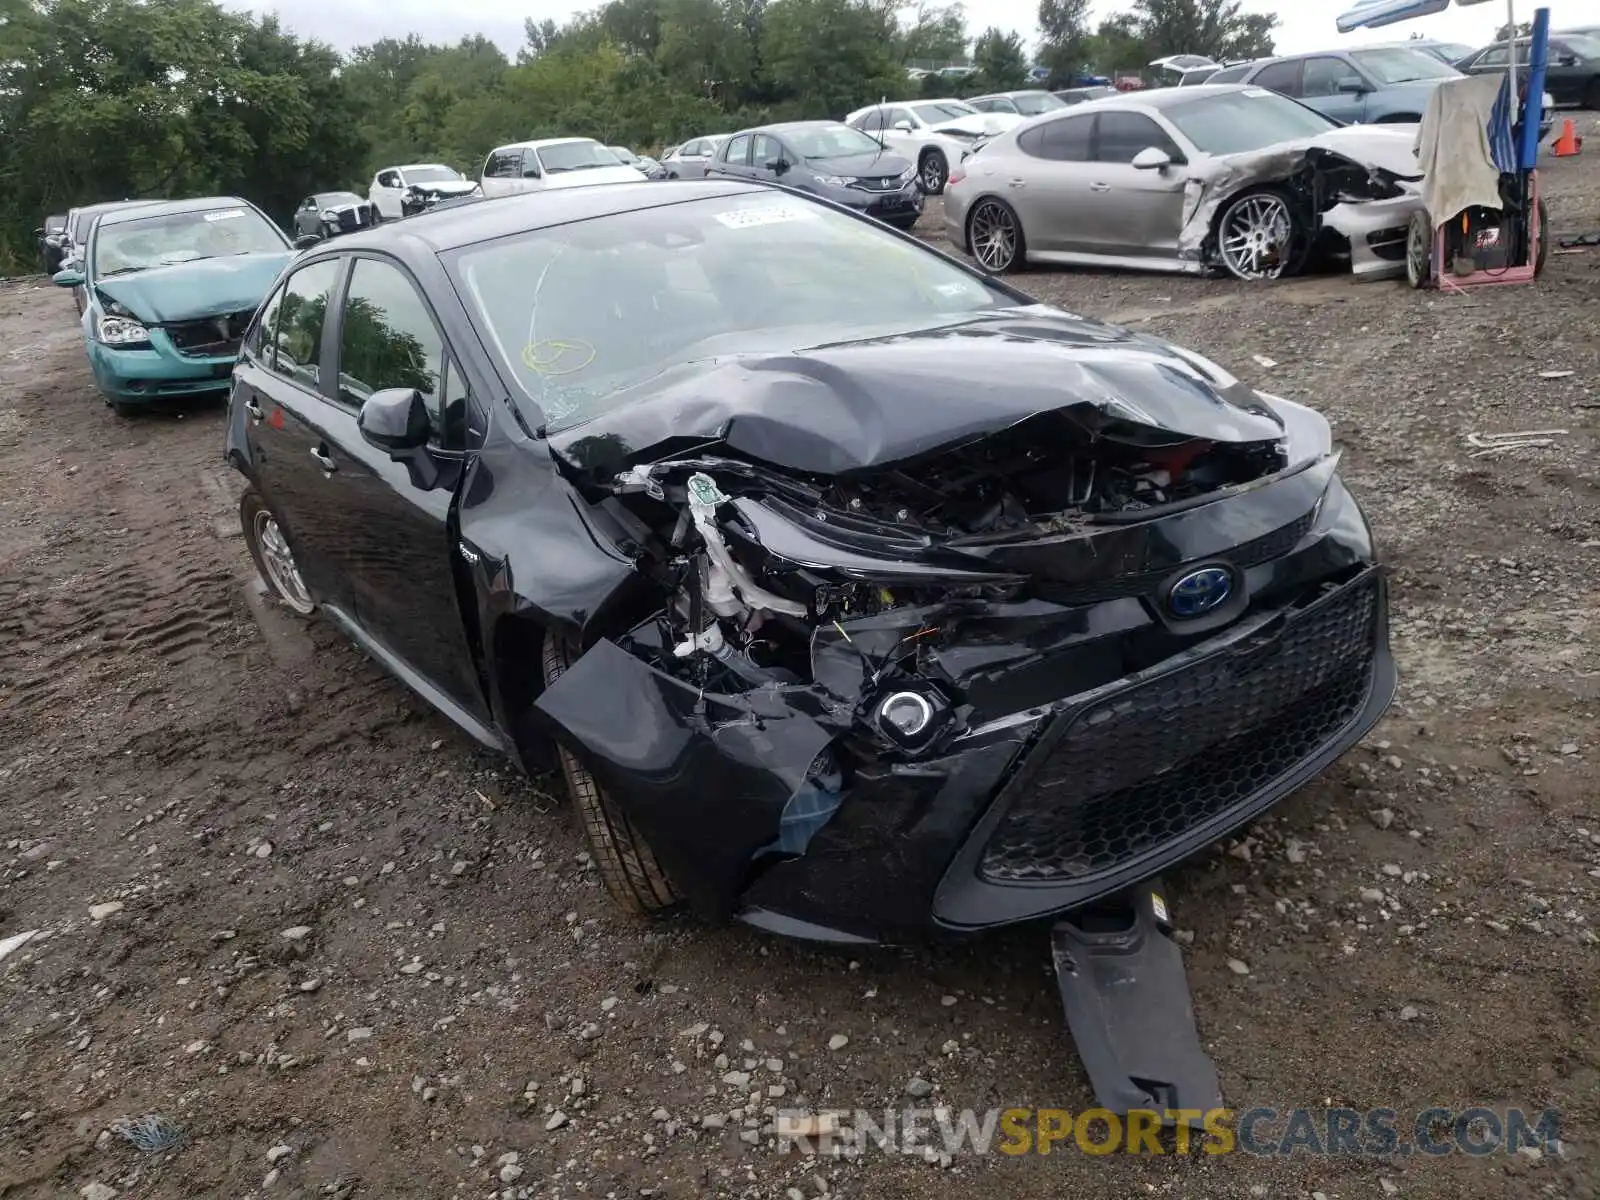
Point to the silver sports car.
(1186, 180)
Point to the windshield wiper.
(120, 271)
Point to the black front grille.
(211, 337)
(349, 219)
(877, 185)
(1158, 760)
(1271, 545)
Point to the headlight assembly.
(120, 331)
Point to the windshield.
(1246, 120)
(329, 199)
(581, 312)
(831, 141)
(432, 174)
(943, 110)
(172, 238)
(576, 156)
(1450, 52)
(623, 154)
(1401, 65)
(1031, 104)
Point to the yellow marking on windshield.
(557, 356)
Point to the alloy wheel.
(994, 235)
(933, 174)
(1257, 237)
(278, 560)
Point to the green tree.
(1118, 46)
(935, 34)
(1220, 29)
(1064, 38)
(825, 57)
(1000, 59)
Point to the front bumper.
(155, 372)
(900, 207)
(1103, 746)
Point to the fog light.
(905, 715)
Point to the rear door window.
(1283, 78)
(296, 349)
(1066, 139)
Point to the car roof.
(1012, 92)
(417, 166)
(164, 208)
(483, 222)
(1169, 97)
(541, 143)
(790, 126)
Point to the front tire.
(1419, 250)
(1261, 236)
(994, 236)
(933, 171)
(628, 866)
(1542, 250)
(274, 559)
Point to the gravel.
(220, 772)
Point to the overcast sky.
(1303, 24)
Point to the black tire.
(1400, 119)
(123, 409)
(995, 258)
(1419, 250)
(253, 511)
(933, 172)
(628, 866)
(1591, 95)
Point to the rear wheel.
(932, 172)
(1419, 250)
(628, 866)
(274, 559)
(994, 235)
(1591, 97)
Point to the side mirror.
(38, 233)
(68, 277)
(777, 166)
(904, 127)
(307, 240)
(1151, 158)
(396, 420)
(1352, 85)
(1568, 60)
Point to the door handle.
(1099, 187)
(1017, 183)
(252, 407)
(321, 455)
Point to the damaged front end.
(909, 670)
(1351, 192)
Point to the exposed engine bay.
(869, 628)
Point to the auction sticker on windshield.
(224, 214)
(756, 215)
(1257, 93)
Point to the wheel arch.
(972, 208)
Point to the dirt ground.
(346, 953)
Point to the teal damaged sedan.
(171, 288)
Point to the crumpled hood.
(187, 291)
(863, 404)
(1388, 147)
(593, 175)
(447, 187)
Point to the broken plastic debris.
(1263, 361)
(10, 945)
(1485, 444)
(151, 1133)
(1556, 374)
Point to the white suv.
(934, 134)
(394, 189)
(552, 163)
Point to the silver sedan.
(1186, 180)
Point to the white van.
(552, 163)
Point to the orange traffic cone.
(1568, 143)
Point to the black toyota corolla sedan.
(863, 596)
